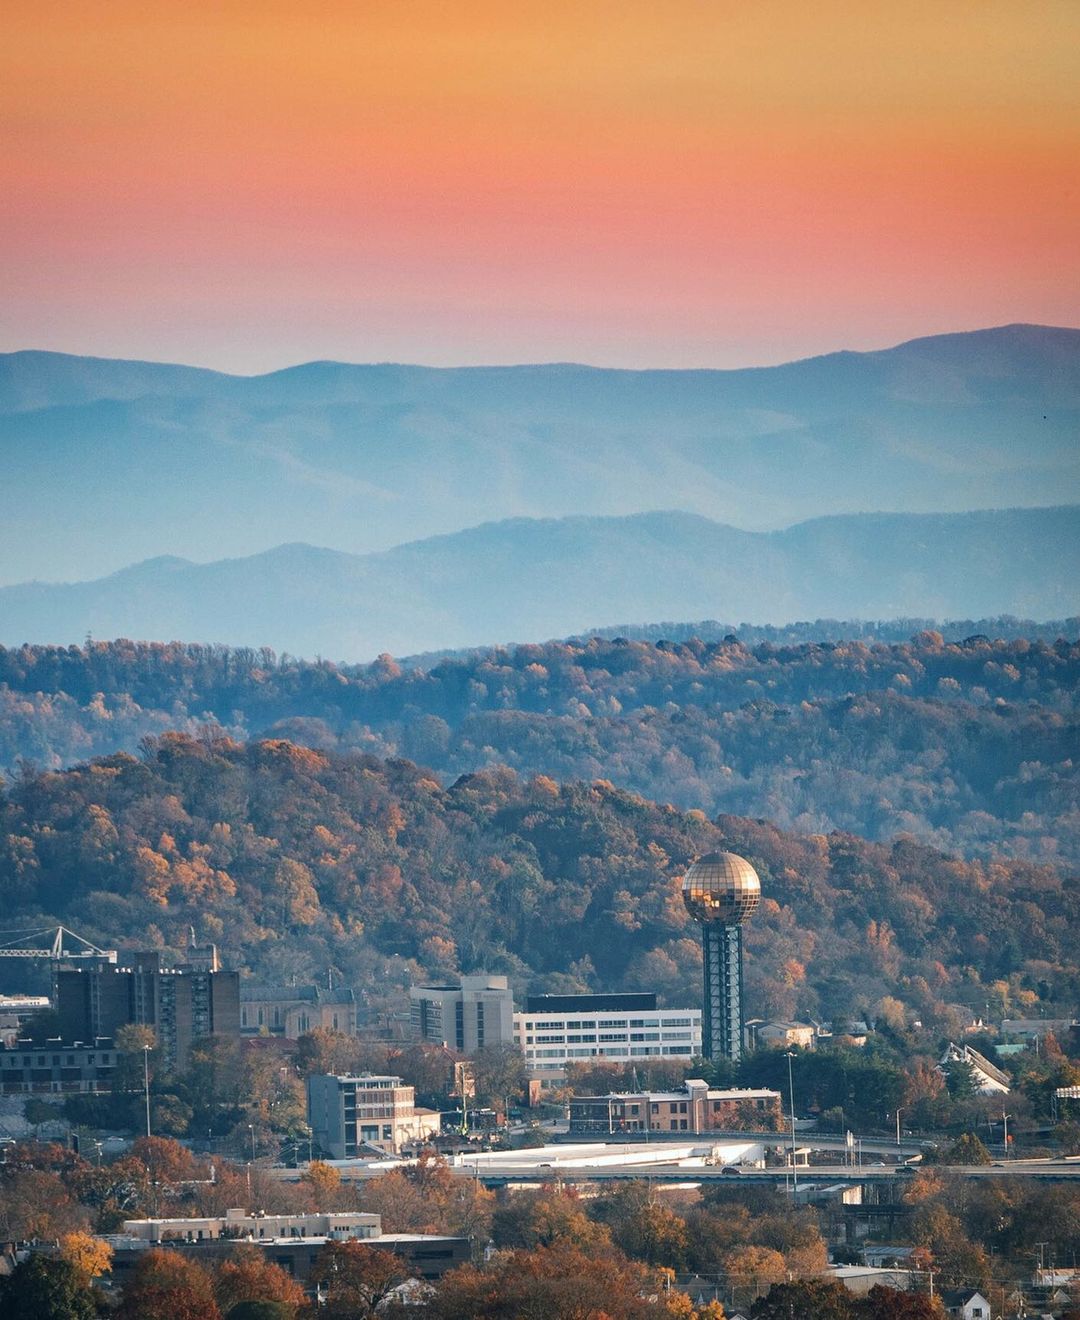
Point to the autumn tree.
(324, 1181)
(809, 1299)
(967, 1149)
(883, 1303)
(261, 1311)
(550, 1283)
(427, 1197)
(166, 1161)
(643, 1226)
(35, 1203)
(356, 1278)
(750, 1267)
(88, 1255)
(552, 1216)
(166, 1285)
(248, 1275)
(137, 1056)
(321, 1050)
(498, 1074)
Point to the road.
(505, 1175)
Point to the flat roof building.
(15, 1010)
(478, 1011)
(51, 1067)
(347, 1114)
(426, 1256)
(694, 1108)
(181, 1003)
(240, 1225)
(565, 1029)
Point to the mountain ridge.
(1013, 330)
(368, 457)
(532, 579)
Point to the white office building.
(556, 1030)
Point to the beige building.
(240, 1225)
(292, 1010)
(353, 1116)
(16, 1010)
(784, 1035)
(556, 1030)
(693, 1109)
(478, 1011)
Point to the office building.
(241, 1226)
(27, 1068)
(556, 1030)
(465, 1017)
(351, 1117)
(16, 1010)
(693, 1108)
(425, 1256)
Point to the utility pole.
(791, 1100)
(146, 1083)
(898, 1113)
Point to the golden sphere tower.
(722, 891)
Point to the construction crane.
(59, 948)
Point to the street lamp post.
(898, 1113)
(791, 1100)
(1005, 1133)
(146, 1083)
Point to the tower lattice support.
(722, 1025)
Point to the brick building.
(693, 1109)
(181, 1003)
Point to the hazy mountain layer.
(528, 580)
(106, 463)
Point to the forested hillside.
(968, 745)
(374, 868)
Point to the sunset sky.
(668, 183)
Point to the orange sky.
(679, 182)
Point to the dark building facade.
(636, 1002)
(180, 1003)
(29, 1068)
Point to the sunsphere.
(721, 887)
(722, 891)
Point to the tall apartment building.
(346, 1114)
(181, 1003)
(556, 1030)
(478, 1011)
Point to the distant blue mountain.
(105, 463)
(528, 580)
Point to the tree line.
(627, 1253)
(967, 744)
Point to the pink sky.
(246, 185)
